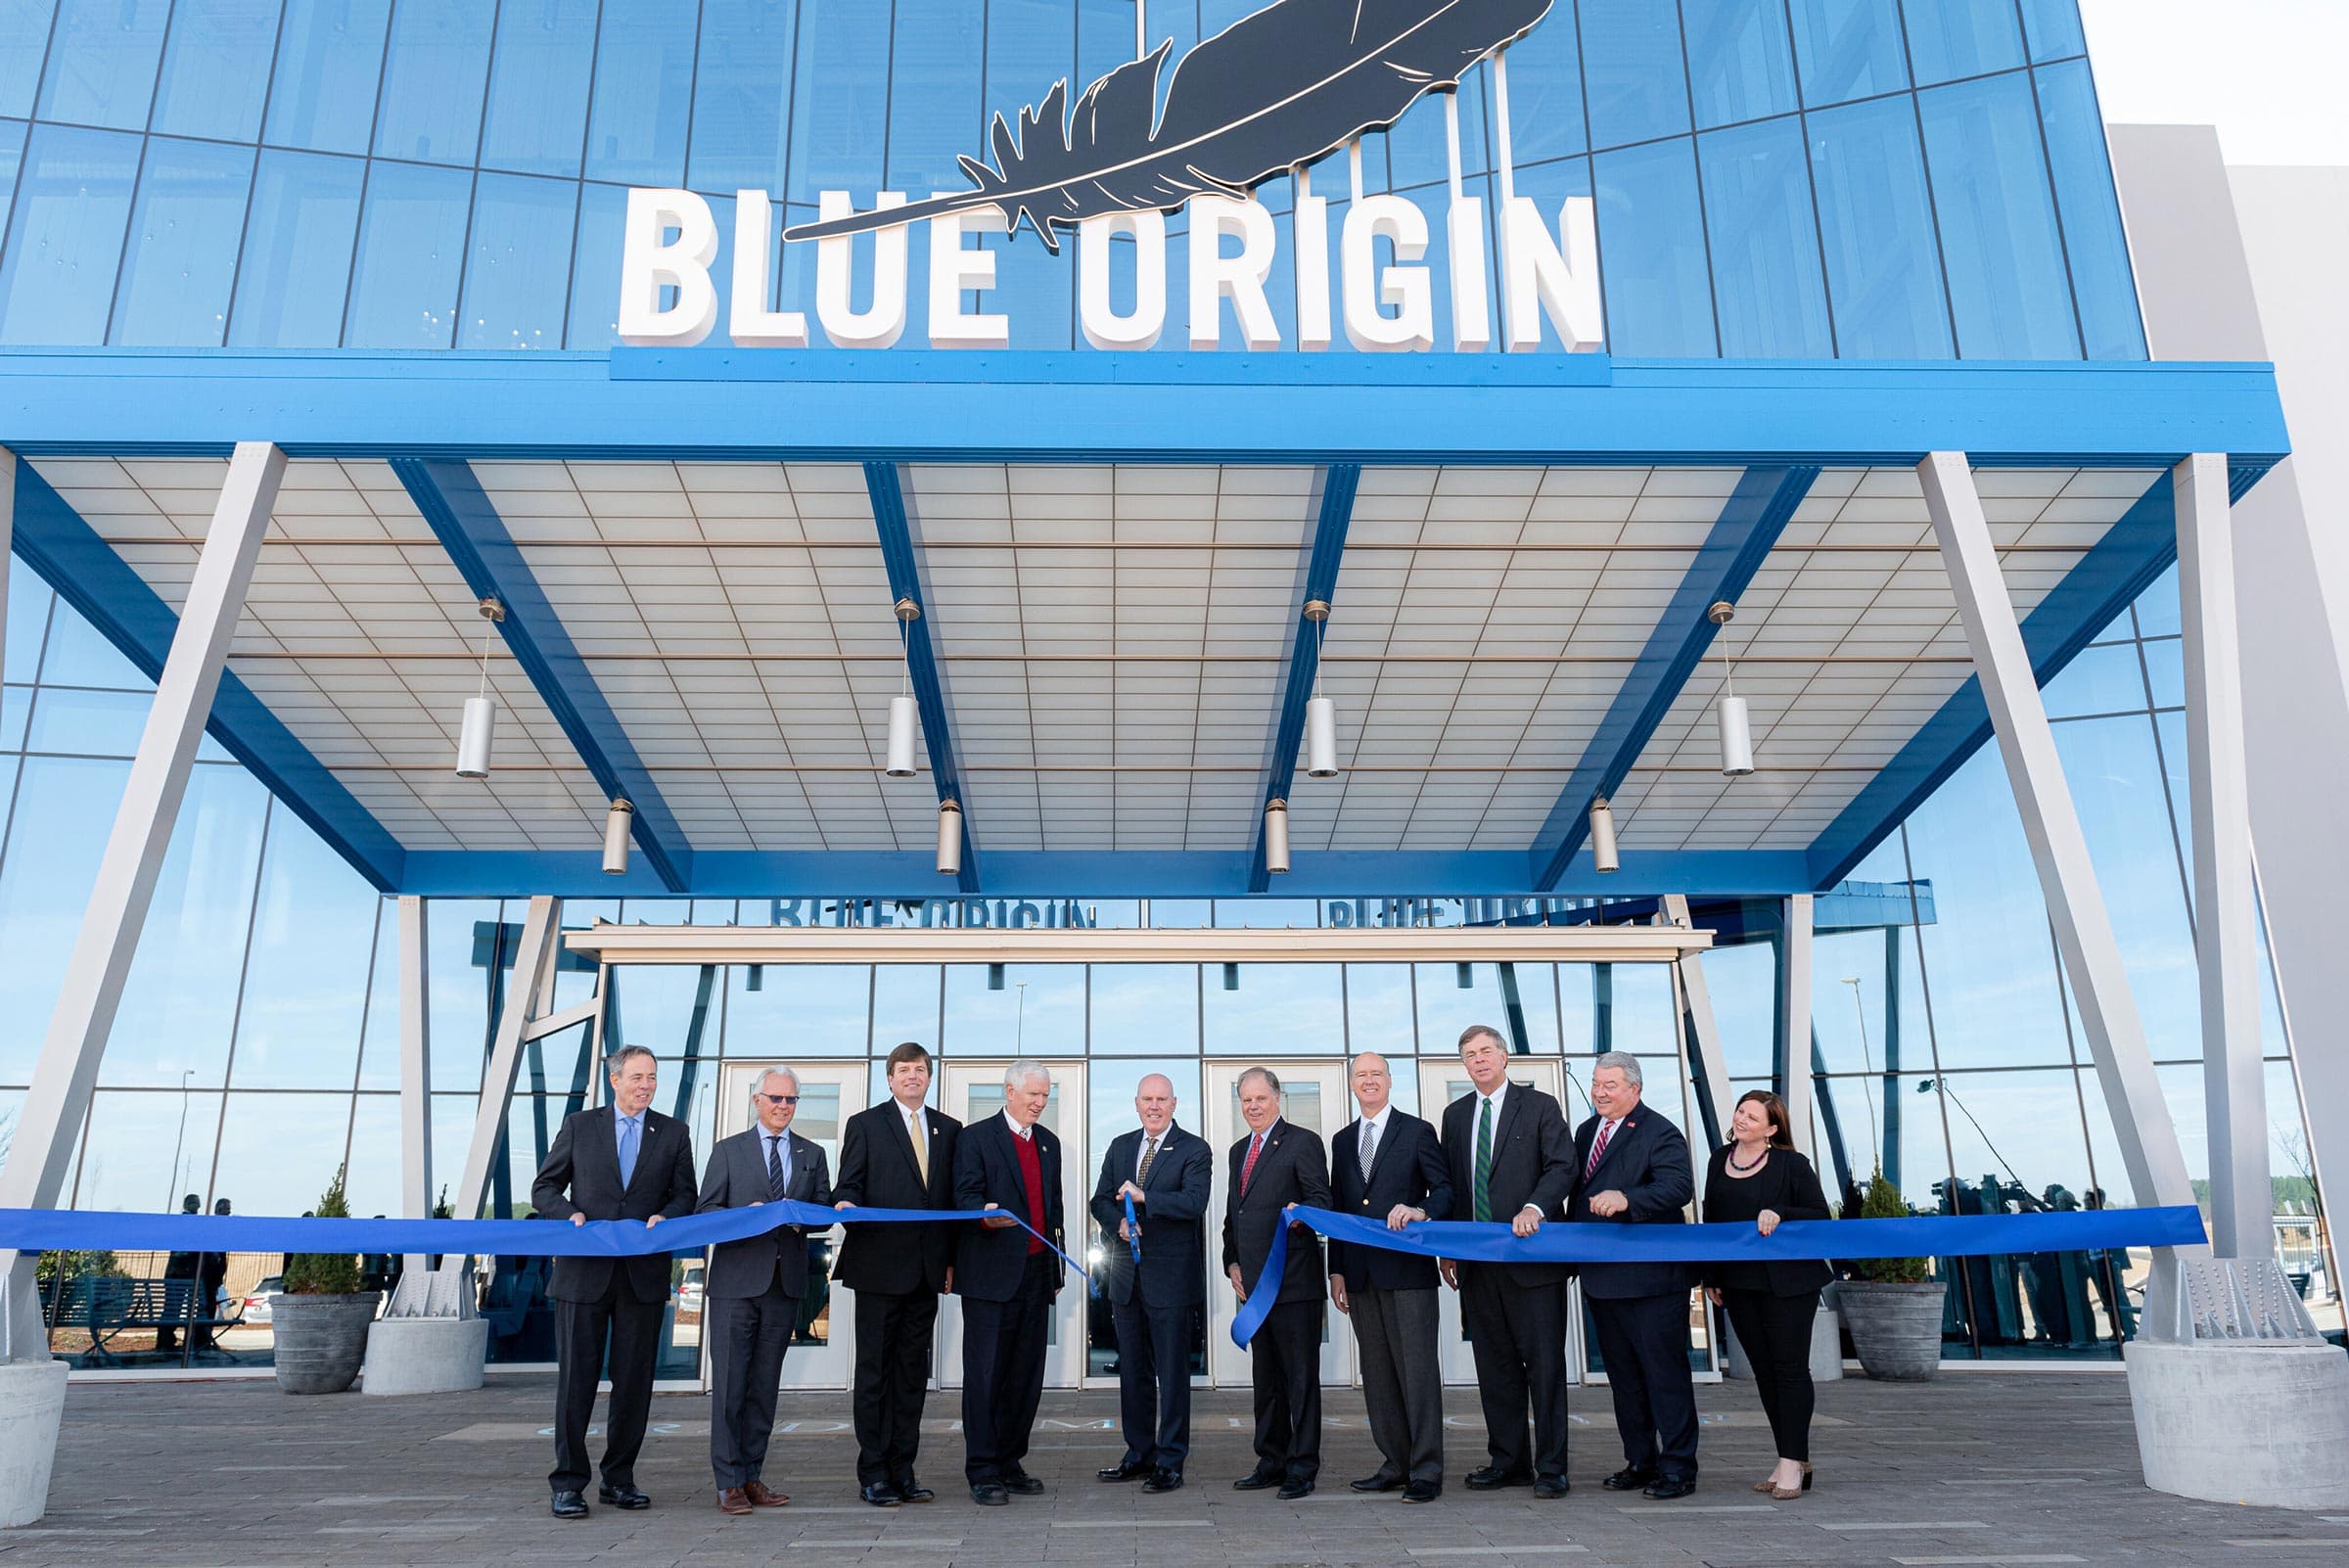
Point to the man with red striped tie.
(1633, 1170)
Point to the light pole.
(171, 1192)
(1866, 1061)
(1019, 1026)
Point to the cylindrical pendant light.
(477, 737)
(1276, 837)
(617, 823)
(1603, 857)
(1320, 713)
(949, 839)
(901, 738)
(1737, 725)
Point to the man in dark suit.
(1007, 1278)
(752, 1288)
(898, 1154)
(1512, 1162)
(1275, 1167)
(1635, 1170)
(1154, 1303)
(1387, 1165)
(619, 1161)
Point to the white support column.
(2067, 879)
(2226, 919)
(67, 1066)
(533, 967)
(1794, 1014)
(1704, 1033)
(415, 1068)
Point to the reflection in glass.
(1276, 1010)
(1019, 1010)
(789, 1010)
(295, 262)
(1146, 1009)
(181, 256)
(1518, 999)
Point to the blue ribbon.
(89, 1230)
(1133, 1230)
(1826, 1240)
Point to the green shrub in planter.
(1883, 1201)
(324, 1273)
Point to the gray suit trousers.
(747, 1336)
(1403, 1383)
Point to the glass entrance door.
(823, 1352)
(971, 1091)
(1313, 1095)
(1441, 1081)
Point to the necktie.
(1141, 1177)
(921, 1154)
(1248, 1169)
(627, 1150)
(1369, 1145)
(1484, 1160)
(1598, 1148)
(778, 1179)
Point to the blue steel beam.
(54, 539)
(1318, 580)
(2119, 567)
(1749, 525)
(902, 556)
(715, 404)
(477, 540)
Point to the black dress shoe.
(1493, 1479)
(1122, 1470)
(910, 1490)
(1631, 1478)
(569, 1505)
(1550, 1486)
(991, 1494)
(1423, 1491)
(1291, 1491)
(1666, 1488)
(1377, 1483)
(881, 1495)
(623, 1497)
(1163, 1481)
(1255, 1481)
(1023, 1485)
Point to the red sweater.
(1032, 1176)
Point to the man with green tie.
(1511, 1155)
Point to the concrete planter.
(426, 1354)
(1896, 1329)
(321, 1340)
(32, 1405)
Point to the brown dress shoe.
(762, 1495)
(733, 1500)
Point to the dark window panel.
(182, 256)
(296, 255)
(329, 61)
(215, 75)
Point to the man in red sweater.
(1007, 1279)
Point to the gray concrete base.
(1826, 1347)
(2267, 1425)
(425, 1355)
(33, 1407)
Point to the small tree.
(1883, 1201)
(324, 1273)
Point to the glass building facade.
(1773, 179)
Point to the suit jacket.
(987, 1263)
(1407, 1166)
(877, 1169)
(582, 1176)
(1532, 1162)
(1173, 1220)
(736, 1180)
(1647, 1161)
(1291, 1169)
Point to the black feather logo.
(1283, 88)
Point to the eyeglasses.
(780, 1099)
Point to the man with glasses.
(619, 1161)
(750, 1293)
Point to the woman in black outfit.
(1759, 1177)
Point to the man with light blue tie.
(619, 1161)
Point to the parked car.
(256, 1299)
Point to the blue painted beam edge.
(1750, 522)
(477, 540)
(57, 542)
(2106, 580)
(893, 524)
(1337, 487)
